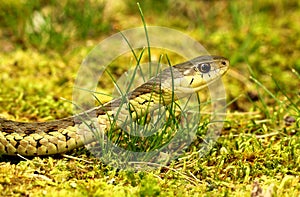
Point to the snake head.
(184, 78)
(197, 73)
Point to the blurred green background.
(43, 44)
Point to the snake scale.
(60, 136)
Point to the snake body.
(60, 136)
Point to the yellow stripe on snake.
(60, 136)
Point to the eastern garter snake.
(59, 136)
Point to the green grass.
(38, 66)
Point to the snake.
(66, 134)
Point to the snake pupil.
(204, 67)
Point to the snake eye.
(204, 67)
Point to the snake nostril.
(223, 63)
